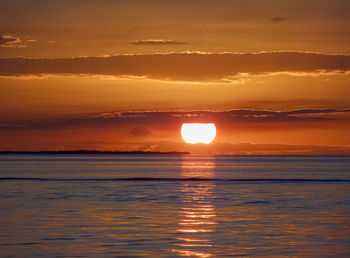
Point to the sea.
(174, 206)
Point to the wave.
(277, 180)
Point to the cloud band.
(179, 66)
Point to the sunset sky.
(272, 75)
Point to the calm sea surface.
(170, 206)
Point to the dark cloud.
(132, 29)
(279, 19)
(157, 42)
(252, 118)
(7, 40)
(230, 116)
(10, 41)
(181, 66)
(139, 131)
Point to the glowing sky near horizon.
(125, 75)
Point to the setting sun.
(198, 133)
(174, 128)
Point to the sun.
(198, 132)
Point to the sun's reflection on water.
(197, 213)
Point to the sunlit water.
(153, 206)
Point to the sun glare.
(198, 133)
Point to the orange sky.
(124, 75)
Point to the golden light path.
(198, 132)
(197, 215)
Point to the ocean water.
(174, 206)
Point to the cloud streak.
(279, 19)
(157, 42)
(179, 66)
(10, 41)
(252, 118)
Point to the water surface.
(174, 205)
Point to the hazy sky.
(273, 75)
(68, 28)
